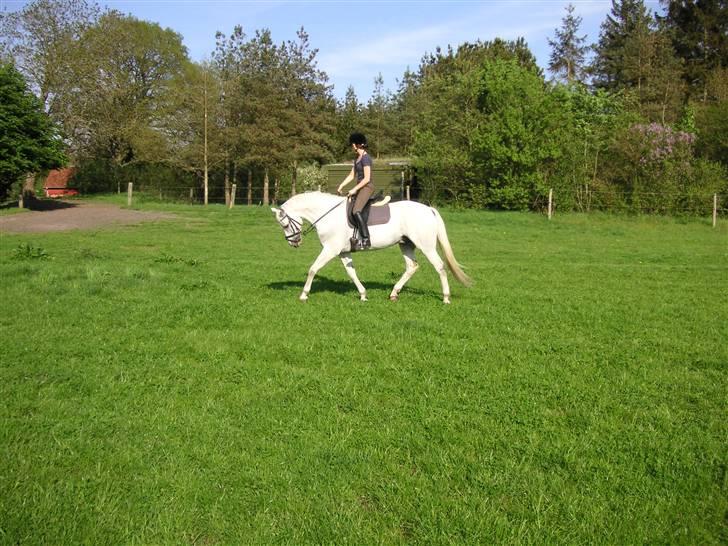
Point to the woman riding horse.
(364, 188)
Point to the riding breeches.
(362, 196)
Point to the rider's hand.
(352, 192)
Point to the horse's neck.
(311, 206)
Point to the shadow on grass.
(325, 284)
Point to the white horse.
(411, 225)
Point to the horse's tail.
(452, 263)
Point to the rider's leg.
(361, 199)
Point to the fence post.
(551, 202)
(407, 192)
(715, 209)
(232, 195)
(129, 192)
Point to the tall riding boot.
(363, 231)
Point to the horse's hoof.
(303, 297)
(393, 298)
(446, 300)
(363, 298)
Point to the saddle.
(375, 211)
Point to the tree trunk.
(27, 192)
(250, 186)
(227, 185)
(294, 178)
(205, 138)
(266, 187)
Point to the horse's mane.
(308, 197)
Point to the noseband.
(296, 235)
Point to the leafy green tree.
(593, 118)
(442, 105)
(310, 106)
(519, 143)
(40, 38)
(29, 140)
(568, 49)
(279, 105)
(122, 87)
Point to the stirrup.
(359, 244)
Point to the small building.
(59, 183)
(391, 176)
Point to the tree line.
(637, 119)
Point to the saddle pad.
(374, 216)
(378, 215)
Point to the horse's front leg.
(349, 267)
(323, 258)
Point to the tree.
(441, 103)
(191, 122)
(376, 111)
(700, 37)
(40, 37)
(29, 140)
(519, 142)
(122, 85)
(620, 55)
(350, 119)
(568, 49)
(635, 56)
(280, 106)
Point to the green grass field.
(162, 384)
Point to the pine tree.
(700, 36)
(568, 49)
(620, 52)
(350, 119)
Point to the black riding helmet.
(358, 139)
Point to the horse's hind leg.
(408, 253)
(439, 266)
(349, 267)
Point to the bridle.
(297, 235)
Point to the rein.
(298, 225)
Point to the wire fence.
(692, 204)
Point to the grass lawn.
(162, 384)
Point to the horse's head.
(291, 226)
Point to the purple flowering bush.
(653, 164)
(657, 144)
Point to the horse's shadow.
(325, 284)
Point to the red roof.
(59, 178)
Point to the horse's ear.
(275, 210)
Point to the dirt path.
(67, 215)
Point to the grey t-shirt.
(359, 167)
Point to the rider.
(364, 188)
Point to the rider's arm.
(364, 181)
(346, 181)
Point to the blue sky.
(357, 40)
